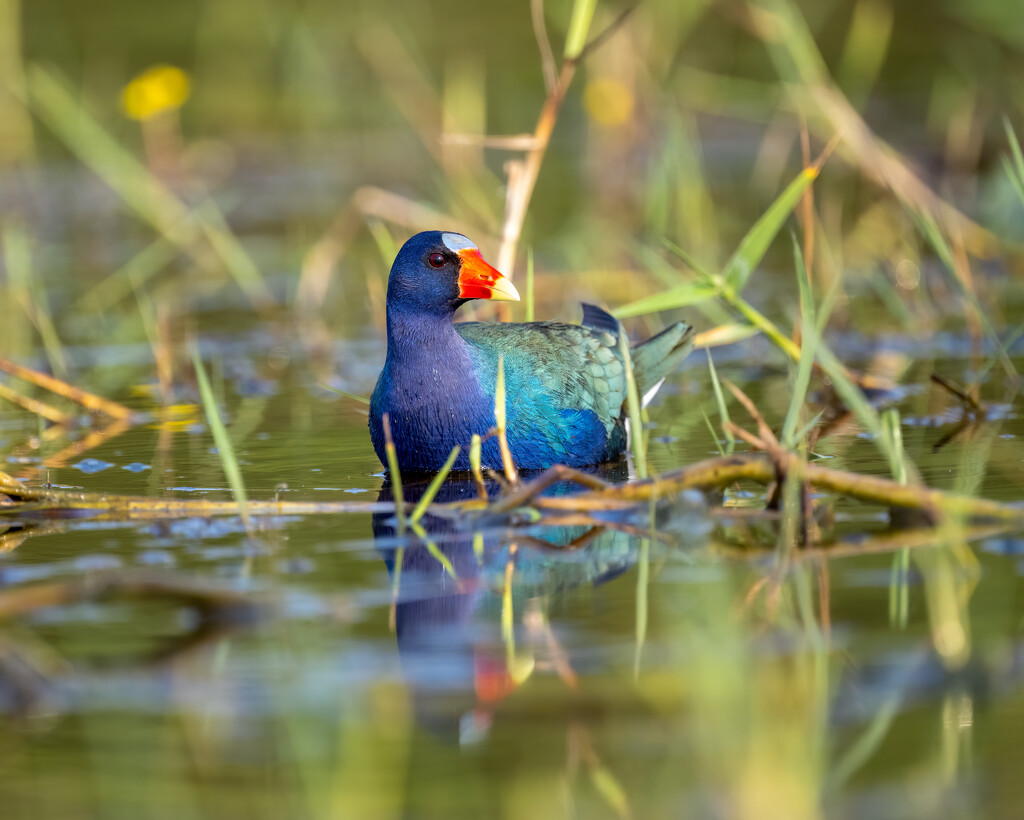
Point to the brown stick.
(34, 405)
(540, 31)
(718, 472)
(708, 474)
(552, 475)
(90, 401)
(523, 181)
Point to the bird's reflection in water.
(471, 605)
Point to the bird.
(565, 384)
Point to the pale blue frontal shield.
(456, 242)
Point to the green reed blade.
(529, 284)
(140, 189)
(809, 341)
(579, 27)
(225, 449)
(712, 431)
(636, 427)
(684, 295)
(723, 408)
(434, 486)
(396, 475)
(754, 245)
(354, 396)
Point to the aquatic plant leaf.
(690, 293)
(225, 450)
(754, 245)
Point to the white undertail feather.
(650, 394)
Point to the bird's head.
(436, 271)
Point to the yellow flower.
(608, 102)
(157, 89)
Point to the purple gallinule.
(565, 383)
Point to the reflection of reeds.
(225, 449)
(138, 187)
(758, 720)
(712, 473)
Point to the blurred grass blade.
(861, 408)
(899, 579)
(867, 44)
(690, 293)
(809, 342)
(579, 27)
(899, 590)
(636, 427)
(754, 245)
(724, 335)
(138, 270)
(723, 408)
(803, 431)
(933, 233)
(870, 739)
(354, 396)
(763, 324)
(499, 421)
(529, 284)
(894, 435)
(225, 450)
(395, 474)
(703, 273)
(610, 790)
(27, 289)
(712, 431)
(141, 190)
(237, 260)
(1014, 171)
(643, 581)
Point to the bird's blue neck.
(430, 390)
(417, 336)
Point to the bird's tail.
(654, 359)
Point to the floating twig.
(90, 401)
(40, 408)
(966, 397)
(711, 473)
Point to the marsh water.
(509, 669)
(330, 666)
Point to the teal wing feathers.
(568, 377)
(566, 384)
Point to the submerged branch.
(722, 471)
(712, 473)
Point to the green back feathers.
(579, 366)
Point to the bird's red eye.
(436, 260)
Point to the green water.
(548, 671)
(320, 710)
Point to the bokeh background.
(683, 126)
(238, 175)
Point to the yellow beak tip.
(504, 291)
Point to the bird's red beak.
(478, 280)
